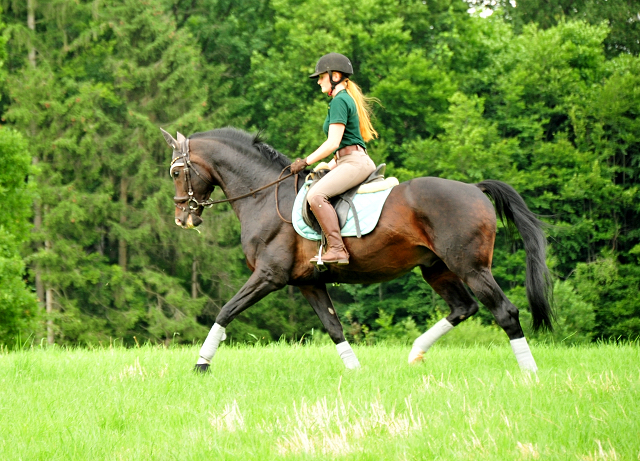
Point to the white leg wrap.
(523, 354)
(348, 356)
(210, 345)
(424, 342)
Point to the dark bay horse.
(446, 228)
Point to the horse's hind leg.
(449, 286)
(506, 314)
(323, 306)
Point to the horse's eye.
(176, 174)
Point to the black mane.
(254, 143)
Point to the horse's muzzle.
(192, 221)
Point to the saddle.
(343, 202)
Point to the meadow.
(284, 401)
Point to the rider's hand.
(299, 165)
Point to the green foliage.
(621, 16)
(613, 288)
(468, 150)
(575, 317)
(544, 97)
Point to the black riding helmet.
(333, 62)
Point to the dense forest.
(542, 95)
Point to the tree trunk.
(49, 304)
(31, 19)
(31, 24)
(122, 243)
(50, 336)
(37, 206)
(37, 227)
(292, 318)
(44, 297)
(194, 279)
(49, 307)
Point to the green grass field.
(298, 402)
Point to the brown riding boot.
(326, 216)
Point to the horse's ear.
(172, 142)
(181, 138)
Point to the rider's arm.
(336, 130)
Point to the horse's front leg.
(262, 282)
(323, 306)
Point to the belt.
(349, 150)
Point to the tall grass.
(298, 402)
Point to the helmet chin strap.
(333, 83)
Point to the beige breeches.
(350, 171)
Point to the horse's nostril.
(178, 222)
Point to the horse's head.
(193, 188)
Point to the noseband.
(193, 203)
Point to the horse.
(446, 228)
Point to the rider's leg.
(326, 216)
(350, 171)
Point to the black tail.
(511, 207)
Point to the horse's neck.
(241, 173)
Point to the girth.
(342, 203)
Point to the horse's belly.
(382, 264)
(340, 275)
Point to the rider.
(347, 127)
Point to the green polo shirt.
(342, 109)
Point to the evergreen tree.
(18, 309)
(94, 122)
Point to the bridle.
(182, 159)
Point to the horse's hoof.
(201, 368)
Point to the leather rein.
(193, 203)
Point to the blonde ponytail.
(363, 104)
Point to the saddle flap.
(341, 203)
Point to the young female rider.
(347, 127)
